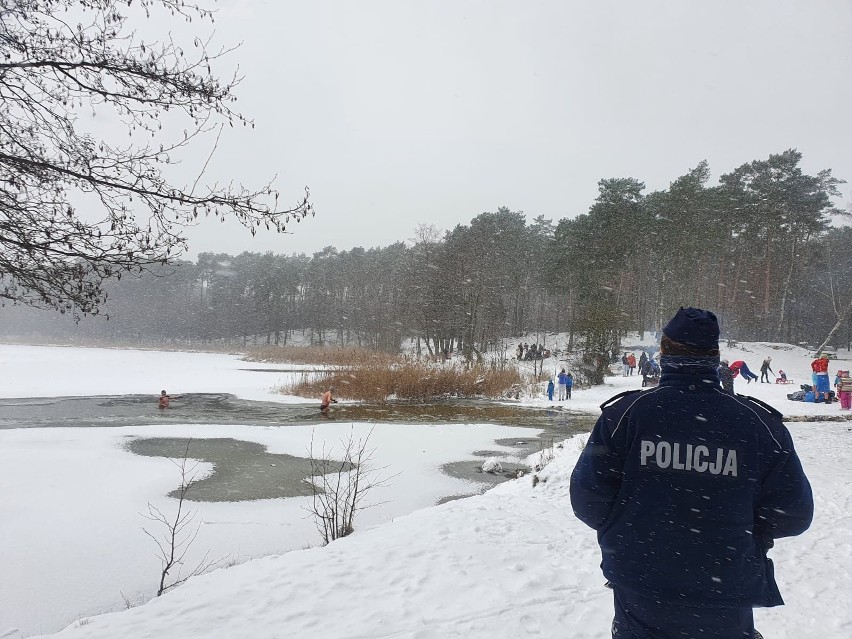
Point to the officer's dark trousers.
(638, 617)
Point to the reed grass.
(407, 380)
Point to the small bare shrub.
(177, 532)
(340, 487)
(546, 455)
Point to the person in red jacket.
(820, 368)
(740, 366)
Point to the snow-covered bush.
(491, 465)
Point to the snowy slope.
(512, 562)
(508, 562)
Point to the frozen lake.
(225, 408)
(79, 468)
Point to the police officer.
(687, 487)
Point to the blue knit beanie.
(694, 327)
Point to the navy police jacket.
(687, 487)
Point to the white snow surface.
(511, 562)
(59, 371)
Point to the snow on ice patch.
(491, 465)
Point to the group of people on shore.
(820, 387)
(564, 384)
(649, 367)
(531, 352)
(628, 364)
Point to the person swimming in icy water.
(327, 400)
(165, 398)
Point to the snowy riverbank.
(510, 562)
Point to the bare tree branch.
(339, 489)
(178, 532)
(51, 73)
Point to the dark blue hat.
(694, 327)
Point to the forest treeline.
(759, 248)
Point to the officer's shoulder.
(760, 405)
(615, 399)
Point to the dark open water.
(245, 470)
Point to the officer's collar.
(706, 380)
(689, 370)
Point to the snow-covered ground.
(72, 534)
(59, 371)
(510, 562)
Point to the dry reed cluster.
(407, 380)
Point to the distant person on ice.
(327, 399)
(688, 487)
(165, 398)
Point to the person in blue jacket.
(560, 383)
(550, 389)
(687, 487)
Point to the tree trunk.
(767, 274)
(786, 290)
(840, 319)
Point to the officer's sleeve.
(786, 504)
(596, 479)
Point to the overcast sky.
(399, 112)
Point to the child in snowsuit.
(726, 376)
(843, 382)
(550, 390)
